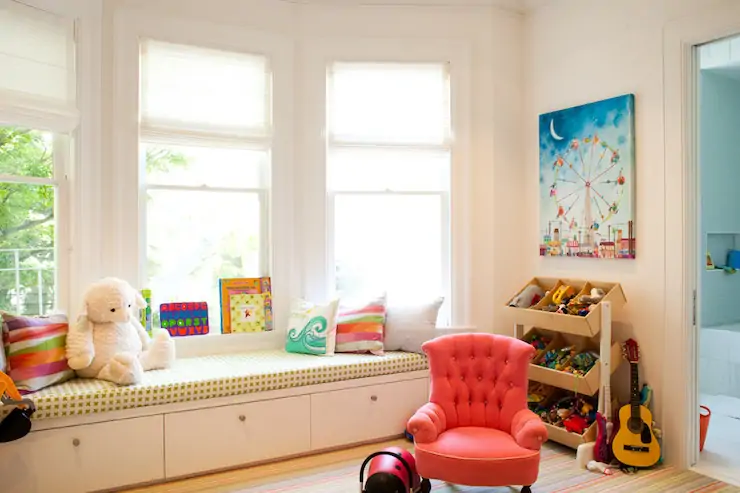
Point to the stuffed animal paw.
(123, 369)
(161, 352)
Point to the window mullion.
(203, 188)
(446, 236)
(341, 143)
(264, 240)
(28, 180)
(62, 213)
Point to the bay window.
(205, 152)
(389, 147)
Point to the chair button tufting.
(462, 377)
(506, 362)
(511, 385)
(480, 378)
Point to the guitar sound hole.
(635, 425)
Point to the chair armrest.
(428, 423)
(528, 430)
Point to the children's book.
(246, 305)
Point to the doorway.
(718, 322)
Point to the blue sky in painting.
(612, 120)
(579, 121)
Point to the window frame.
(338, 143)
(77, 145)
(317, 216)
(194, 135)
(126, 246)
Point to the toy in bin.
(392, 470)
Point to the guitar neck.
(634, 391)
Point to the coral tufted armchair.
(476, 429)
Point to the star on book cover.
(246, 305)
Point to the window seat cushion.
(209, 377)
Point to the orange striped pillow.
(35, 350)
(361, 329)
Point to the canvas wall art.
(587, 180)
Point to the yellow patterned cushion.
(209, 377)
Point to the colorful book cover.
(184, 319)
(246, 305)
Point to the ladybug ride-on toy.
(392, 470)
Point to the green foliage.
(27, 226)
(26, 222)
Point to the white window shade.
(389, 103)
(205, 91)
(36, 55)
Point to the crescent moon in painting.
(552, 131)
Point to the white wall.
(579, 51)
(496, 94)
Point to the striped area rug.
(558, 473)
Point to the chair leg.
(426, 486)
(526, 489)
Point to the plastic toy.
(556, 359)
(529, 296)
(392, 470)
(146, 312)
(184, 319)
(575, 424)
(582, 363)
(562, 294)
(17, 423)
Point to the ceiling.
(513, 5)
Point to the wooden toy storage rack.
(582, 332)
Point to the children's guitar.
(635, 443)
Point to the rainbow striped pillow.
(361, 329)
(35, 351)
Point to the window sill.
(195, 346)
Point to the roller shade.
(36, 56)
(402, 103)
(203, 90)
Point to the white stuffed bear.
(108, 341)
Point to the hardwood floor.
(234, 480)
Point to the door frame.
(681, 345)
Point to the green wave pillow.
(312, 328)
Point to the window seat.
(207, 377)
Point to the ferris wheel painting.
(587, 180)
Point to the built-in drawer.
(84, 458)
(364, 413)
(228, 436)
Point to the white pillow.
(407, 327)
(312, 328)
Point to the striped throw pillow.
(361, 329)
(35, 351)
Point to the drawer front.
(85, 458)
(228, 436)
(367, 413)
